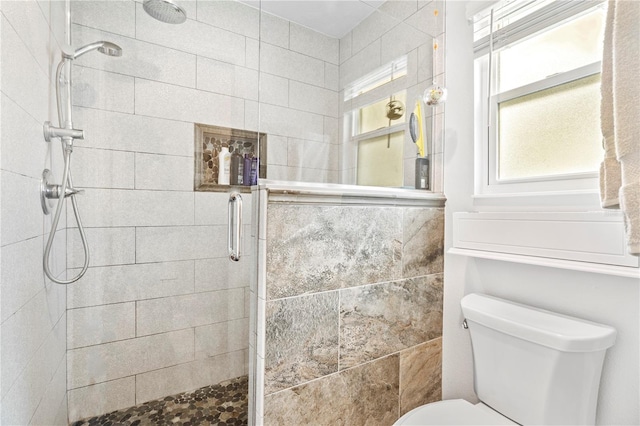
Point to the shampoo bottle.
(246, 170)
(224, 166)
(236, 168)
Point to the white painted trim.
(597, 268)
(588, 237)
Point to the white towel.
(626, 111)
(610, 167)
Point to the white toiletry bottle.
(224, 166)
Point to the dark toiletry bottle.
(254, 171)
(422, 173)
(236, 160)
(246, 170)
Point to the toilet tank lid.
(561, 332)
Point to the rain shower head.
(165, 11)
(106, 47)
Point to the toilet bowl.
(531, 366)
(453, 412)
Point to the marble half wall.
(349, 312)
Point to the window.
(376, 129)
(538, 96)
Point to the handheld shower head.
(106, 47)
(165, 11)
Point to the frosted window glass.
(566, 47)
(553, 131)
(374, 116)
(380, 160)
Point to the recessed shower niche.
(209, 141)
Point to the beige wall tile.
(101, 398)
(101, 363)
(420, 375)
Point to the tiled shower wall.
(33, 352)
(161, 309)
(351, 300)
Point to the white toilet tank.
(535, 366)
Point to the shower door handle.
(234, 240)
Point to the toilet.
(531, 366)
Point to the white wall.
(602, 298)
(33, 331)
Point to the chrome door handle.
(234, 240)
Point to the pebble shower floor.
(223, 404)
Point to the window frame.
(487, 182)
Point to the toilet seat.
(453, 412)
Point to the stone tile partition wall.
(161, 310)
(33, 363)
(348, 308)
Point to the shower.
(67, 135)
(165, 11)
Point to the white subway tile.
(312, 154)
(107, 246)
(128, 132)
(429, 19)
(221, 273)
(221, 338)
(113, 16)
(100, 324)
(289, 64)
(227, 79)
(332, 130)
(101, 363)
(178, 312)
(95, 400)
(164, 172)
(139, 59)
(274, 90)
(21, 274)
(102, 90)
(230, 15)
(21, 214)
(251, 115)
(399, 9)
(371, 29)
(346, 43)
(100, 168)
(274, 30)
(27, 19)
(23, 147)
(22, 399)
(276, 150)
(180, 103)
(52, 400)
(162, 244)
(116, 284)
(331, 77)
(252, 54)
(305, 97)
(290, 122)
(314, 44)
(23, 80)
(192, 37)
(400, 41)
(117, 207)
(360, 64)
(425, 62)
(185, 377)
(212, 208)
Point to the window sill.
(573, 240)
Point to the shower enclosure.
(332, 302)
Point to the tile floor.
(223, 404)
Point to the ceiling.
(334, 18)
